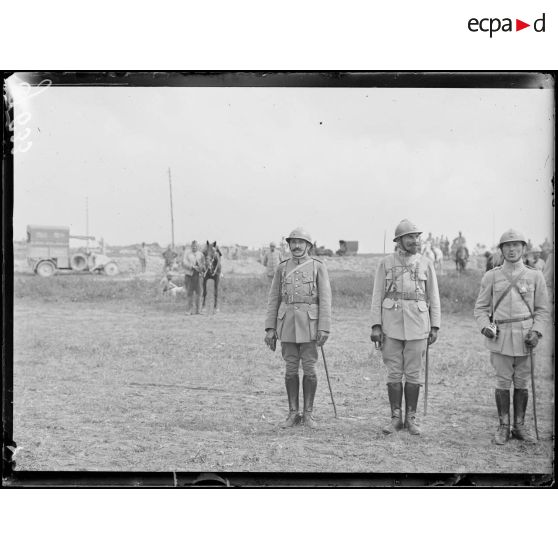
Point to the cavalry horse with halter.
(212, 271)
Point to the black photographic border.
(345, 79)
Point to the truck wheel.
(111, 269)
(45, 269)
(79, 262)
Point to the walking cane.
(328, 382)
(426, 382)
(533, 390)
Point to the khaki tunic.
(405, 301)
(511, 336)
(299, 301)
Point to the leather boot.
(292, 383)
(411, 401)
(503, 405)
(519, 431)
(395, 394)
(309, 385)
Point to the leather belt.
(300, 299)
(406, 296)
(512, 320)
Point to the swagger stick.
(426, 382)
(534, 397)
(328, 382)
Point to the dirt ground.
(113, 385)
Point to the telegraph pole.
(87, 222)
(171, 210)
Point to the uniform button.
(296, 307)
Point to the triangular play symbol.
(519, 25)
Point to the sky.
(250, 164)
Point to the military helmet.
(272, 244)
(534, 250)
(511, 235)
(300, 232)
(405, 227)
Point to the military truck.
(347, 248)
(48, 250)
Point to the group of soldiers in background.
(193, 264)
(511, 312)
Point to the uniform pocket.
(313, 314)
(307, 283)
(422, 306)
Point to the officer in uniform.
(511, 311)
(299, 315)
(405, 318)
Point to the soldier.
(405, 318)
(511, 310)
(169, 256)
(460, 240)
(194, 264)
(271, 260)
(142, 254)
(533, 258)
(299, 315)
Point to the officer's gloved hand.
(433, 335)
(271, 338)
(377, 335)
(321, 337)
(531, 339)
(488, 332)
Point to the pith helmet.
(511, 235)
(300, 232)
(405, 227)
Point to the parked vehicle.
(347, 247)
(321, 250)
(48, 250)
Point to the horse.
(212, 271)
(461, 258)
(434, 254)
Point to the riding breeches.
(511, 369)
(295, 353)
(406, 358)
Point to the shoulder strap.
(512, 284)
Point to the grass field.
(108, 375)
